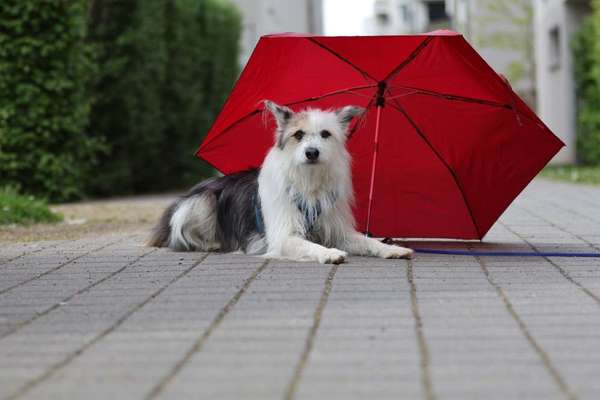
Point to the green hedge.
(44, 68)
(109, 96)
(126, 111)
(166, 67)
(586, 50)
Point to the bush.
(128, 91)
(586, 51)
(20, 209)
(126, 109)
(203, 68)
(165, 69)
(573, 173)
(44, 68)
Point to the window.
(382, 11)
(436, 11)
(405, 13)
(554, 48)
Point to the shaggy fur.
(303, 192)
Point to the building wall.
(262, 17)
(555, 23)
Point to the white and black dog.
(297, 206)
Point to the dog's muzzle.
(312, 154)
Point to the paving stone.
(108, 318)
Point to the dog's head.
(312, 137)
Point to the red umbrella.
(444, 147)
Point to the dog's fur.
(304, 203)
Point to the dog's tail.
(189, 224)
(161, 233)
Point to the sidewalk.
(107, 318)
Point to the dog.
(297, 206)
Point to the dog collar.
(310, 212)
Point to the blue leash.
(505, 253)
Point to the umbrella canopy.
(444, 147)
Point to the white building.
(393, 17)
(555, 23)
(262, 17)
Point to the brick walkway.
(109, 318)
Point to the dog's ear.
(347, 113)
(282, 114)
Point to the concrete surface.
(107, 318)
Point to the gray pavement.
(110, 319)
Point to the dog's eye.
(299, 135)
(325, 134)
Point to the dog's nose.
(311, 153)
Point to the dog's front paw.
(395, 252)
(332, 256)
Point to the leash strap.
(505, 253)
(498, 253)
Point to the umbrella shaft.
(373, 166)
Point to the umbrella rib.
(409, 59)
(401, 109)
(309, 99)
(453, 97)
(341, 57)
(448, 96)
(341, 91)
